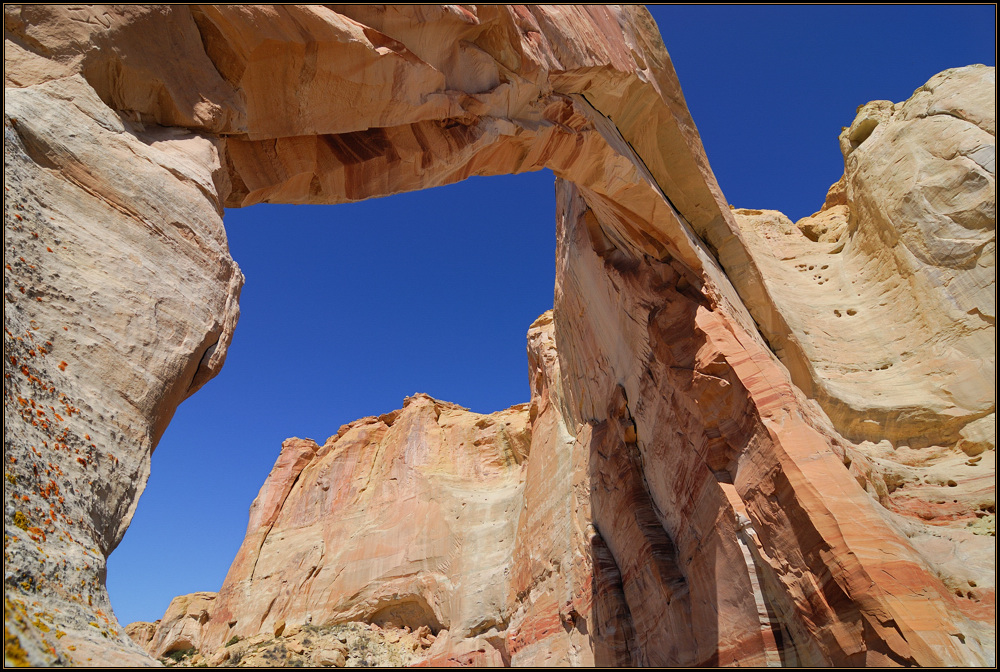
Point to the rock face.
(121, 298)
(181, 626)
(888, 294)
(685, 487)
(892, 283)
(407, 519)
(474, 526)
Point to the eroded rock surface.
(404, 519)
(892, 284)
(694, 491)
(99, 347)
(474, 529)
(889, 296)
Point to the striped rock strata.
(427, 516)
(889, 297)
(729, 528)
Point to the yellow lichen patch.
(21, 520)
(13, 653)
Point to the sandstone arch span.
(128, 130)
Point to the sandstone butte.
(749, 441)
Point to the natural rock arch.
(127, 130)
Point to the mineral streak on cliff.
(747, 428)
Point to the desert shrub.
(235, 657)
(232, 641)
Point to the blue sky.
(347, 309)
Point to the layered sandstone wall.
(133, 126)
(474, 528)
(120, 301)
(719, 498)
(892, 283)
(625, 497)
(889, 293)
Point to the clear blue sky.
(347, 309)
